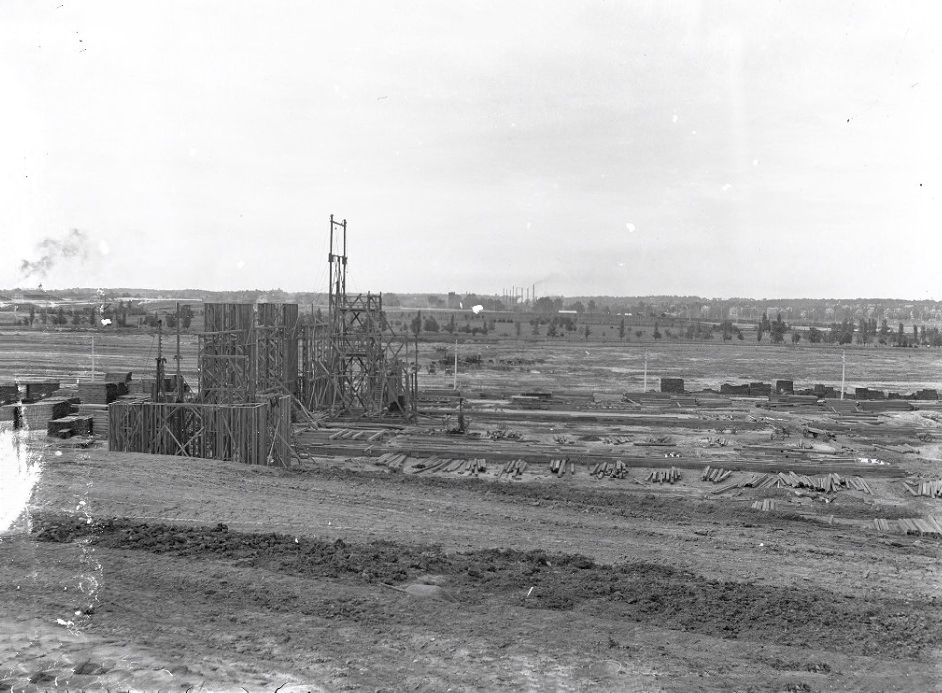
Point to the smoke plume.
(52, 250)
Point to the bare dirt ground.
(141, 573)
(178, 573)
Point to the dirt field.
(133, 572)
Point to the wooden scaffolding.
(351, 361)
(248, 380)
(253, 433)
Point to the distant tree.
(535, 327)
(639, 333)
(796, 337)
(657, 333)
(915, 335)
(431, 325)
(578, 307)
(517, 327)
(592, 307)
(60, 318)
(814, 335)
(900, 336)
(416, 323)
(621, 329)
(76, 317)
(884, 331)
(552, 329)
(44, 318)
(778, 329)
(587, 332)
(32, 315)
(451, 326)
(764, 323)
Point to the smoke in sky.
(53, 250)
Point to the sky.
(752, 149)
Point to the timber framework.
(259, 364)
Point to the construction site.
(303, 501)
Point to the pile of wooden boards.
(715, 474)
(437, 464)
(916, 525)
(560, 467)
(513, 468)
(37, 415)
(393, 460)
(615, 469)
(97, 393)
(765, 505)
(933, 489)
(661, 476)
(99, 416)
(9, 392)
(69, 426)
(357, 434)
(827, 483)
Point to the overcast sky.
(763, 149)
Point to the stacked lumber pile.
(616, 440)
(827, 483)
(513, 468)
(9, 392)
(10, 413)
(920, 525)
(664, 475)
(765, 505)
(393, 460)
(36, 416)
(933, 489)
(99, 417)
(357, 434)
(68, 426)
(713, 402)
(715, 474)
(40, 390)
(436, 464)
(886, 405)
(97, 393)
(614, 469)
(672, 385)
(560, 467)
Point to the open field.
(371, 565)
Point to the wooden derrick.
(351, 360)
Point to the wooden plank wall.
(257, 433)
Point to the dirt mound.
(640, 592)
